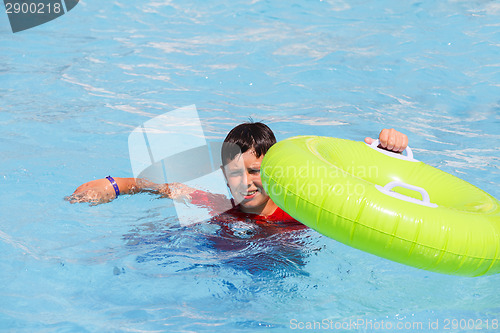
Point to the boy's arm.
(391, 139)
(102, 191)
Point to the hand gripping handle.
(409, 153)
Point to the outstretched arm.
(101, 190)
(391, 139)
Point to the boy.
(253, 141)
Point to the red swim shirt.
(214, 202)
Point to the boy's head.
(247, 136)
(242, 153)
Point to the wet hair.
(246, 136)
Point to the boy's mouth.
(249, 194)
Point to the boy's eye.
(255, 171)
(235, 173)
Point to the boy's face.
(243, 177)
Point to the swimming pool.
(73, 89)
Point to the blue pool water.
(73, 89)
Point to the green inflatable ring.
(386, 204)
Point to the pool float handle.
(387, 189)
(409, 153)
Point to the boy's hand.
(392, 140)
(96, 192)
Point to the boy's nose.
(248, 179)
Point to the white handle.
(409, 153)
(387, 189)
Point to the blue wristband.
(115, 185)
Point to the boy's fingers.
(398, 141)
(390, 142)
(369, 140)
(393, 140)
(70, 199)
(404, 144)
(86, 196)
(401, 142)
(383, 137)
